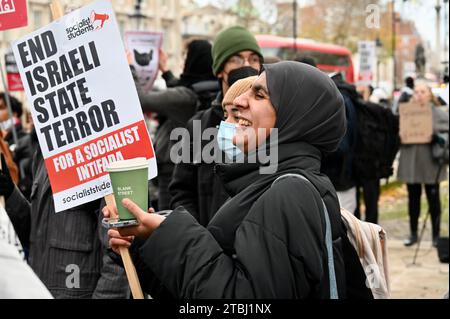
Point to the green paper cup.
(129, 179)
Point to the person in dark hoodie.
(272, 238)
(338, 165)
(194, 185)
(176, 105)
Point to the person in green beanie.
(236, 54)
(235, 48)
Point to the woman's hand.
(163, 66)
(110, 211)
(116, 240)
(148, 222)
(122, 237)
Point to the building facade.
(207, 21)
(157, 15)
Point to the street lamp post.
(294, 23)
(394, 44)
(138, 14)
(445, 62)
(379, 45)
(438, 34)
(446, 28)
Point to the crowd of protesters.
(228, 230)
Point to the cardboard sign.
(84, 102)
(416, 123)
(13, 14)
(12, 73)
(143, 56)
(367, 57)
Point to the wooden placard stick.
(132, 276)
(57, 10)
(133, 279)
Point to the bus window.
(319, 57)
(328, 57)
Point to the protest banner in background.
(12, 73)
(143, 56)
(13, 14)
(416, 123)
(84, 102)
(367, 60)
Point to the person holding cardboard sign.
(417, 167)
(195, 90)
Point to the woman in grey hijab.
(269, 239)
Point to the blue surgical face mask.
(225, 140)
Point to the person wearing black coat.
(338, 166)
(58, 241)
(176, 105)
(268, 240)
(194, 185)
(23, 156)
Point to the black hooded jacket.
(194, 185)
(338, 165)
(176, 105)
(268, 240)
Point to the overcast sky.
(424, 14)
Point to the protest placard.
(416, 123)
(13, 79)
(13, 14)
(84, 102)
(367, 59)
(143, 56)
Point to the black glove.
(6, 183)
(438, 139)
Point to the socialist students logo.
(94, 22)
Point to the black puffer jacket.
(268, 240)
(338, 165)
(195, 90)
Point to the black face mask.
(241, 73)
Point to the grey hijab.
(308, 104)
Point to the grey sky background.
(424, 14)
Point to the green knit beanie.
(231, 41)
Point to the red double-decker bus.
(329, 57)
